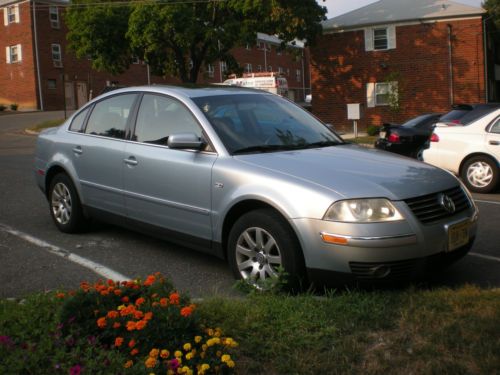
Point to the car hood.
(352, 171)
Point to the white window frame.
(54, 17)
(280, 70)
(223, 66)
(248, 68)
(11, 14)
(370, 37)
(211, 70)
(136, 60)
(56, 53)
(9, 54)
(374, 92)
(298, 75)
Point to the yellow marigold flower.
(170, 372)
(164, 353)
(210, 332)
(205, 367)
(187, 347)
(185, 369)
(217, 332)
(210, 342)
(128, 364)
(197, 339)
(230, 364)
(177, 354)
(121, 307)
(225, 358)
(189, 356)
(154, 353)
(216, 340)
(204, 347)
(150, 362)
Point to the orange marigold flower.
(131, 343)
(148, 315)
(174, 298)
(117, 292)
(154, 295)
(125, 299)
(164, 353)
(60, 295)
(118, 341)
(138, 314)
(155, 304)
(163, 302)
(139, 301)
(128, 364)
(154, 353)
(104, 293)
(116, 325)
(131, 325)
(134, 351)
(150, 362)
(149, 280)
(140, 324)
(113, 314)
(110, 282)
(186, 311)
(101, 322)
(72, 293)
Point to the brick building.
(399, 59)
(38, 71)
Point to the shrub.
(150, 323)
(2, 107)
(373, 130)
(14, 106)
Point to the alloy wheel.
(61, 203)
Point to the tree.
(493, 8)
(179, 38)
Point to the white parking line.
(53, 249)
(489, 257)
(481, 201)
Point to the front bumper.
(380, 250)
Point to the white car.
(470, 151)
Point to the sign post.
(354, 113)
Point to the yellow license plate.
(458, 235)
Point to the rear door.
(164, 187)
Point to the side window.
(160, 116)
(77, 123)
(109, 117)
(495, 128)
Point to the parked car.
(249, 176)
(466, 113)
(471, 151)
(410, 138)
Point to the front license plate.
(381, 135)
(458, 235)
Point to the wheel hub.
(261, 259)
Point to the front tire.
(259, 244)
(480, 174)
(65, 207)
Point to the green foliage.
(181, 38)
(14, 106)
(373, 130)
(2, 107)
(493, 8)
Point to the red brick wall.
(341, 68)
(17, 80)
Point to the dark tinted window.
(160, 116)
(77, 123)
(454, 115)
(476, 113)
(109, 116)
(495, 128)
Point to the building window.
(135, 60)
(280, 70)
(191, 64)
(381, 93)
(13, 54)
(380, 38)
(210, 70)
(248, 47)
(248, 68)
(297, 75)
(259, 68)
(223, 66)
(51, 84)
(269, 68)
(11, 15)
(56, 55)
(54, 17)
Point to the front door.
(69, 95)
(168, 188)
(81, 93)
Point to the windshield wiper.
(266, 148)
(323, 144)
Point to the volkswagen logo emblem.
(446, 202)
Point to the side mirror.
(185, 141)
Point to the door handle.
(494, 143)
(131, 161)
(78, 150)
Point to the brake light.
(393, 138)
(434, 137)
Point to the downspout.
(485, 58)
(450, 65)
(39, 79)
(303, 79)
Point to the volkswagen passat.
(251, 177)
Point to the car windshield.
(248, 123)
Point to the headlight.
(363, 211)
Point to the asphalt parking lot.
(35, 256)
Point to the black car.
(410, 138)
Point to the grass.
(368, 139)
(443, 331)
(46, 124)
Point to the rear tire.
(480, 174)
(259, 243)
(65, 207)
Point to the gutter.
(39, 79)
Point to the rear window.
(454, 115)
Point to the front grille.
(428, 209)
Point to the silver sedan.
(251, 177)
